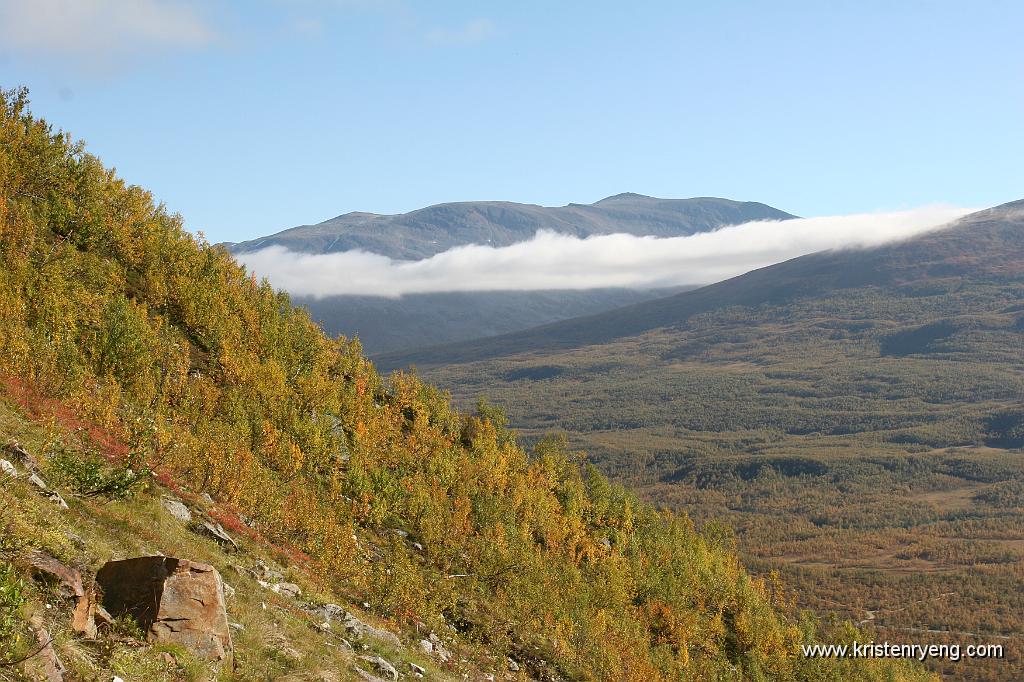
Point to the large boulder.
(173, 600)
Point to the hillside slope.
(129, 351)
(428, 231)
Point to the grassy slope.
(277, 639)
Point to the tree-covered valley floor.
(855, 417)
(138, 362)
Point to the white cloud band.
(556, 261)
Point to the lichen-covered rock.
(365, 631)
(216, 531)
(177, 509)
(173, 600)
(382, 665)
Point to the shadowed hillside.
(419, 320)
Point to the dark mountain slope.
(428, 231)
(984, 245)
(386, 325)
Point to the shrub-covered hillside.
(115, 319)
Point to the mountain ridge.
(427, 231)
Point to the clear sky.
(249, 117)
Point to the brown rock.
(173, 600)
(83, 618)
(50, 569)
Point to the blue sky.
(251, 117)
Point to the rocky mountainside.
(428, 231)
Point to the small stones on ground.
(46, 491)
(20, 454)
(55, 497)
(103, 617)
(417, 670)
(426, 646)
(229, 592)
(7, 469)
(205, 497)
(236, 626)
(368, 677)
(290, 590)
(328, 612)
(513, 666)
(438, 648)
(265, 572)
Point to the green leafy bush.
(12, 598)
(91, 476)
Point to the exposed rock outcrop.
(46, 491)
(173, 600)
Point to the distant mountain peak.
(625, 196)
